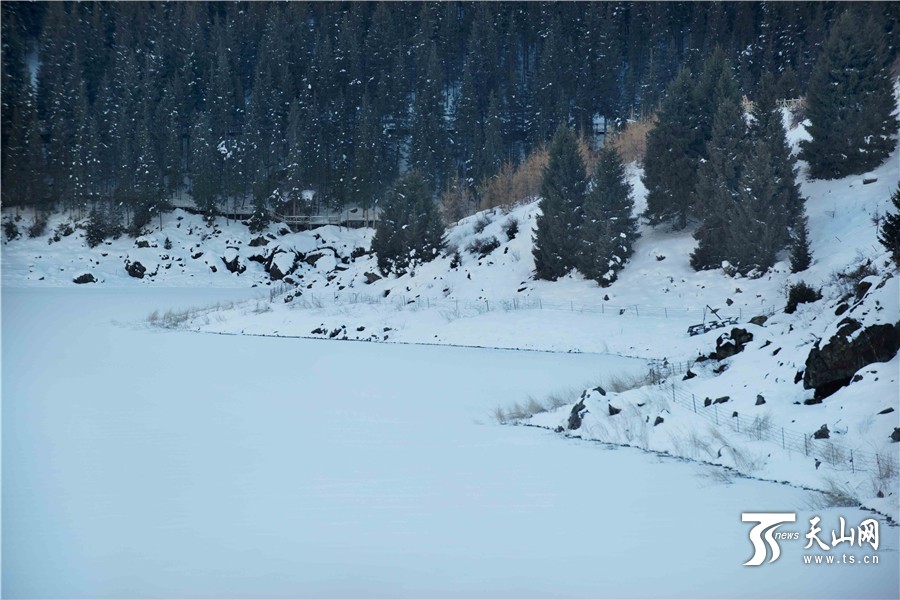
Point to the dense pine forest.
(123, 106)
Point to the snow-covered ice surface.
(154, 463)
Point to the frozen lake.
(169, 464)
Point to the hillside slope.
(324, 283)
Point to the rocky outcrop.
(576, 416)
(729, 344)
(135, 269)
(831, 366)
(234, 265)
(86, 278)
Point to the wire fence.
(761, 428)
(483, 305)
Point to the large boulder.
(135, 269)
(729, 344)
(86, 278)
(232, 261)
(576, 416)
(831, 366)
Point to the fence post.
(666, 311)
(673, 393)
(805, 444)
(637, 313)
(717, 413)
(541, 304)
(488, 304)
(571, 306)
(852, 467)
(602, 309)
(738, 424)
(694, 400)
(740, 314)
(782, 438)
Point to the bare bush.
(457, 201)
(622, 383)
(631, 141)
(835, 494)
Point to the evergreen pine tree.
(801, 257)
(889, 236)
(753, 240)
(609, 229)
(674, 147)
(562, 200)
(409, 228)
(717, 185)
(851, 104)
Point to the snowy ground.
(170, 464)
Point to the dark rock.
(734, 415)
(613, 410)
(887, 411)
(729, 344)
(812, 401)
(759, 320)
(135, 269)
(234, 265)
(720, 369)
(895, 437)
(856, 378)
(658, 421)
(360, 328)
(841, 309)
(798, 376)
(722, 400)
(822, 433)
(142, 244)
(576, 416)
(880, 494)
(861, 288)
(371, 277)
(689, 375)
(213, 268)
(318, 331)
(707, 402)
(760, 400)
(197, 255)
(86, 278)
(831, 366)
(600, 390)
(258, 241)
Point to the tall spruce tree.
(850, 101)
(409, 229)
(674, 148)
(718, 183)
(562, 200)
(609, 229)
(889, 235)
(801, 257)
(753, 239)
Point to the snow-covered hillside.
(325, 284)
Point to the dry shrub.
(631, 142)
(514, 184)
(456, 202)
